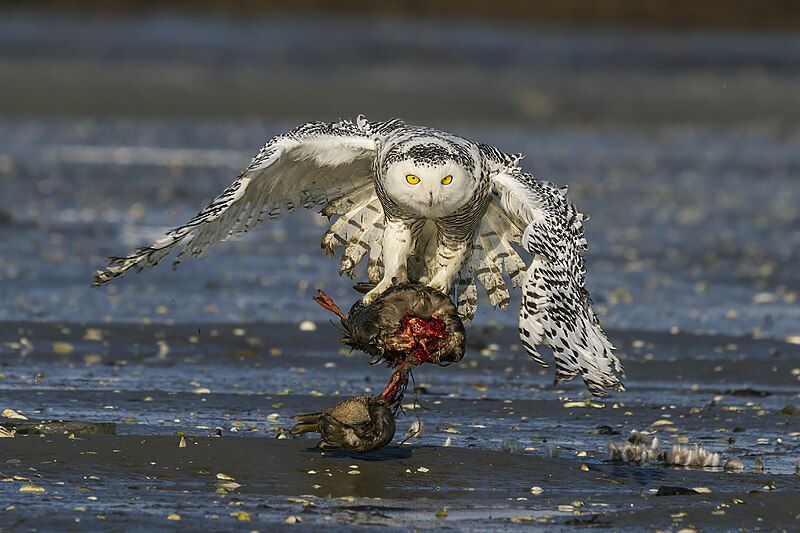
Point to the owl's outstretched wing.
(316, 164)
(556, 310)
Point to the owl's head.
(428, 181)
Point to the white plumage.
(421, 204)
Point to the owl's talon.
(372, 295)
(438, 285)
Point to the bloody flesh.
(410, 346)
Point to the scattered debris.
(415, 430)
(307, 325)
(511, 446)
(639, 448)
(696, 456)
(758, 465)
(10, 413)
(585, 403)
(644, 449)
(33, 489)
(93, 334)
(790, 410)
(62, 348)
(552, 451)
(734, 464)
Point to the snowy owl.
(421, 205)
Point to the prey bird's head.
(429, 179)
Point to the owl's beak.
(430, 199)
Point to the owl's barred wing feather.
(317, 164)
(556, 309)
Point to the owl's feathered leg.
(447, 264)
(398, 245)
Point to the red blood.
(424, 334)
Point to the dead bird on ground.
(408, 325)
(361, 424)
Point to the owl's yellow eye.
(447, 180)
(412, 179)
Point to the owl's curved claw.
(372, 295)
(438, 285)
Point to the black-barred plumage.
(423, 205)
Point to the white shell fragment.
(415, 430)
(307, 325)
(10, 413)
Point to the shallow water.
(694, 245)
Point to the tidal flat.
(682, 147)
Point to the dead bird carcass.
(360, 424)
(408, 325)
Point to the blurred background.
(675, 125)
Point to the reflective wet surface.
(682, 148)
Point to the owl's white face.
(429, 191)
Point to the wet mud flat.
(494, 428)
(140, 482)
(683, 148)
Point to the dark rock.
(666, 490)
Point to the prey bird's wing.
(556, 310)
(314, 165)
